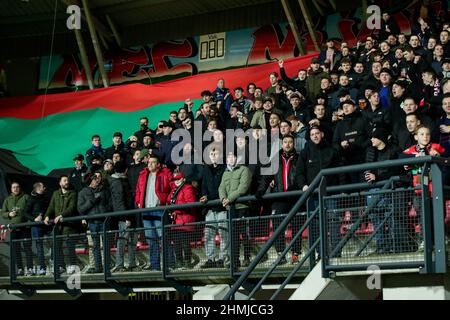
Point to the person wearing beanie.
(94, 199)
(78, 172)
(117, 145)
(381, 150)
(182, 192)
(121, 200)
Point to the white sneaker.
(70, 270)
(30, 272)
(421, 246)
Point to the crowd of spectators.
(385, 98)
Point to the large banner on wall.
(167, 60)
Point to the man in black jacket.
(94, 199)
(122, 200)
(395, 237)
(403, 138)
(216, 216)
(78, 172)
(118, 145)
(351, 137)
(318, 155)
(283, 180)
(34, 211)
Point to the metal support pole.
(231, 216)
(106, 251)
(309, 205)
(114, 30)
(308, 23)
(438, 219)
(426, 221)
(293, 25)
(84, 58)
(98, 52)
(323, 228)
(12, 257)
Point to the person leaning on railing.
(12, 210)
(63, 204)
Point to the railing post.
(426, 221)
(231, 235)
(56, 274)
(12, 254)
(309, 205)
(106, 250)
(438, 219)
(323, 226)
(164, 243)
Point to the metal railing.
(116, 252)
(433, 247)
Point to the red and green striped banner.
(45, 132)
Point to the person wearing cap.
(95, 150)
(297, 106)
(317, 155)
(152, 190)
(107, 171)
(330, 53)
(166, 145)
(381, 150)
(117, 145)
(235, 183)
(130, 146)
(94, 199)
(78, 172)
(121, 200)
(313, 81)
(182, 192)
(351, 137)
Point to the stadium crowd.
(385, 98)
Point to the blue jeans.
(37, 233)
(96, 230)
(153, 231)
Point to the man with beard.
(63, 204)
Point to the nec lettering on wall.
(212, 47)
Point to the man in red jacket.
(152, 190)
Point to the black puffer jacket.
(374, 155)
(121, 198)
(36, 205)
(352, 128)
(212, 176)
(76, 177)
(313, 159)
(94, 201)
